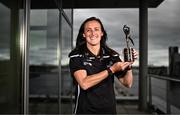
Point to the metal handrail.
(164, 77)
(168, 79)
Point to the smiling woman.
(113, 25)
(93, 66)
(92, 34)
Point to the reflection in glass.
(66, 42)
(4, 33)
(40, 52)
(38, 15)
(10, 70)
(66, 81)
(68, 13)
(66, 48)
(43, 85)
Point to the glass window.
(68, 13)
(40, 51)
(66, 48)
(44, 72)
(38, 15)
(10, 61)
(5, 32)
(66, 84)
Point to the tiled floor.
(130, 110)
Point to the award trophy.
(128, 56)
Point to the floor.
(129, 110)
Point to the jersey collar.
(90, 54)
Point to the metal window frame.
(24, 52)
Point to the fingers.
(120, 66)
(126, 64)
(135, 54)
(123, 65)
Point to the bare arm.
(86, 82)
(127, 79)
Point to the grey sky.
(163, 28)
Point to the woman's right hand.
(120, 66)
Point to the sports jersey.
(99, 99)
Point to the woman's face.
(92, 33)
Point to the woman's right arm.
(86, 82)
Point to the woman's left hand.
(135, 54)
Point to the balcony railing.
(164, 93)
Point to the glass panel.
(39, 15)
(67, 6)
(5, 32)
(66, 84)
(159, 93)
(43, 59)
(10, 95)
(68, 13)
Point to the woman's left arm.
(127, 79)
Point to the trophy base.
(128, 56)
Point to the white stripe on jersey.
(77, 99)
(77, 55)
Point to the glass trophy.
(128, 51)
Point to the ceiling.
(110, 3)
(77, 4)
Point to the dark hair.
(80, 39)
(81, 42)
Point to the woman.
(93, 66)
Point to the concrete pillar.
(143, 54)
(170, 94)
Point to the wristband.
(109, 71)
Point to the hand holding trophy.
(128, 51)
